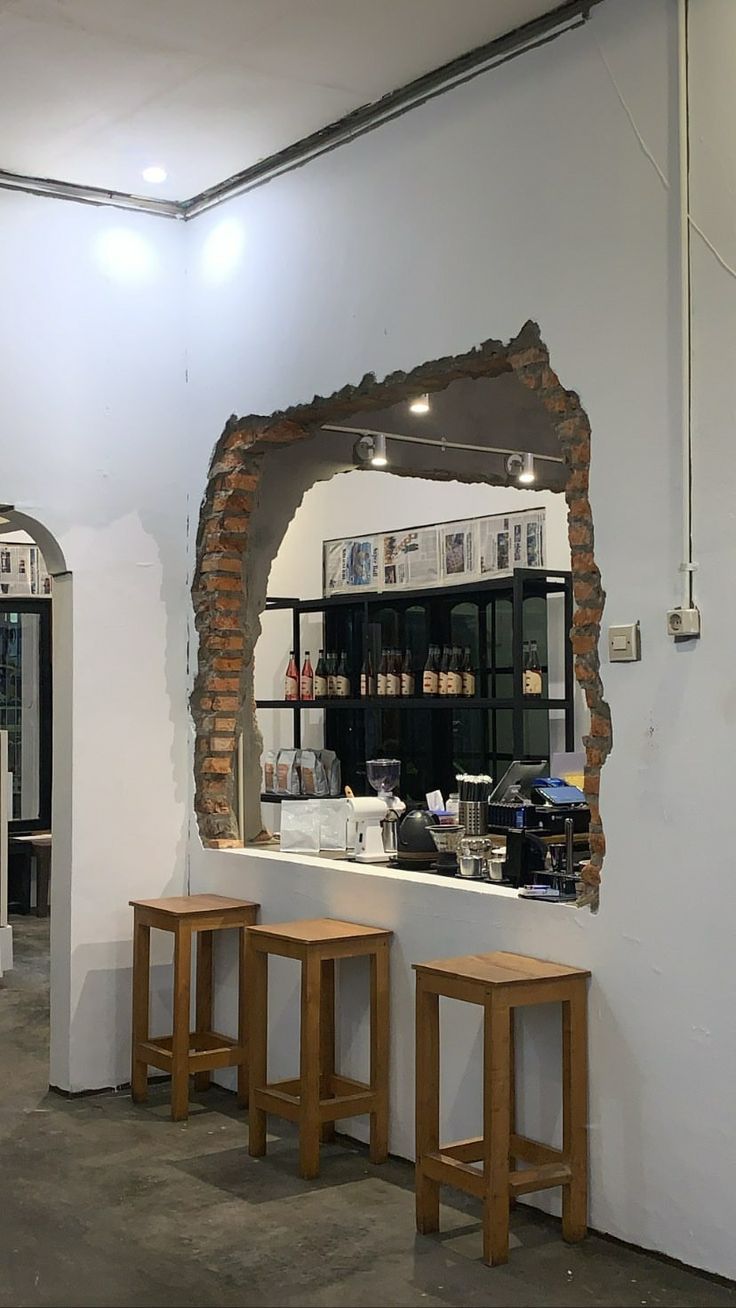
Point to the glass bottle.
(320, 677)
(525, 668)
(468, 674)
(382, 673)
(342, 679)
(430, 676)
(444, 669)
(291, 680)
(367, 678)
(306, 687)
(331, 675)
(393, 676)
(408, 682)
(455, 673)
(533, 676)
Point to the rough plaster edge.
(222, 701)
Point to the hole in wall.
(258, 475)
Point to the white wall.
(94, 447)
(529, 194)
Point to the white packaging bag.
(300, 824)
(334, 814)
(313, 824)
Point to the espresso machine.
(545, 829)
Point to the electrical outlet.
(683, 624)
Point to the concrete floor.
(103, 1203)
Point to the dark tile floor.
(104, 1203)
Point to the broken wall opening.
(259, 473)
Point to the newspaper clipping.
(438, 555)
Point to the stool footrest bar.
(540, 1178)
(533, 1151)
(449, 1171)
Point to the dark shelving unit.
(482, 733)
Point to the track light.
(521, 466)
(371, 448)
(527, 474)
(379, 457)
(420, 404)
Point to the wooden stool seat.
(185, 1052)
(501, 982)
(318, 1097)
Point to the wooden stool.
(202, 1050)
(318, 1096)
(501, 982)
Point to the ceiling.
(94, 91)
(486, 411)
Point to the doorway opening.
(260, 471)
(35, 719)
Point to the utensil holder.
(473, 817)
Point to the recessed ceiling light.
(420, 404)
(155, 174)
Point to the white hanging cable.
(687, 566)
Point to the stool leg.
(309, 1122)
(242, 1021)
(141, 985)
(427, 1105)
(379, 1052)
(496, 1121)
(180, 1040)
(256, 980)
(204, 996)
(327, 1040)
(575, 1112)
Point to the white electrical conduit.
(439, 445)
(687, 566)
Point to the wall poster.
(444, 554)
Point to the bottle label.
(342, 687)
(307, 687)
(430, 682)
(407, 683)
(454, 683)
(468, 684)
(291, 688)
(363, 684)
(320, 687)
(393, 684)
(382, 683)
(532, 682)
(443, 683)
(331, 685)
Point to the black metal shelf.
(550, 581)
(389, 702)
(443, 733)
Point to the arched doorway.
(53, 813)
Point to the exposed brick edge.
(222, 700)
(531, 365)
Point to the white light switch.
(624, 643)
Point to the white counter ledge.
(431, 917)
